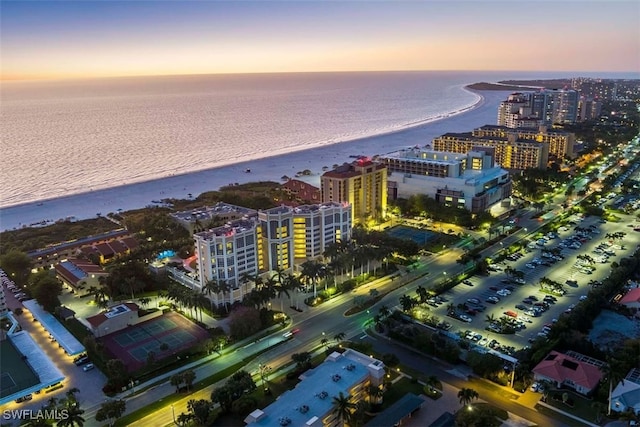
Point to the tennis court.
(162, 336)
(16, 373)
(421, 237)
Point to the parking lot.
(498, 295)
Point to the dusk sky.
(59, 39)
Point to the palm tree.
(343, 407)
(211, 287)
(282, 287)
(422, 293)
(324, 342)
(466, 395)
(311, 272)
(407, 302)
(375, 393)
(490, 318)
(613, 373)
(74, 417)
(339, 336)
(431, 383)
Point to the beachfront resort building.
(207, 217)
(470, 181)
(277, 239)
(543, 107)
(515, 149)
(362, 184)
(310, 403)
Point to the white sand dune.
(133, 196)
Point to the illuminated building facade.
(362, 184)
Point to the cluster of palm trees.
(551, 285)
(618, 235)
(512, 272)
(69, 403)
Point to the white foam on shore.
(138, 195)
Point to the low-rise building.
(573, 370)
(631, 300)
(79, 273)
(117, 318)
(626, 395)
(310, 403)
(302, 191)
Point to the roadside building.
(276, 239)
(470, 181)
(626, 395)
(117, 318)
(573, 370)
(631, 300)
(310, 403)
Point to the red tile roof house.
(574, 371)
(302, 190)
(631, 300)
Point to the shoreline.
(140, 194)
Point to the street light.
(173, 412)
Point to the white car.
(465, 318)
(503, 292)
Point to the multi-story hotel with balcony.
(510, 153)
(560, 142)
(362, 184)
(276, 239)
(470, 181)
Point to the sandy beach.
(133, 196)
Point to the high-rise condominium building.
(544, 107)
(362, 184)
(275, 240)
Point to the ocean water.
(68, 137)
(77, 148)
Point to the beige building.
(362, 184)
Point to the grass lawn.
(399, 389)
(581, 406)
(500, 413)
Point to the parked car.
(88, 367)
(24, 398)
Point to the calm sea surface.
(67, 137)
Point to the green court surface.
(421, 237)
(16, 373)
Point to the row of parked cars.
(12, 287)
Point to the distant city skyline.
(83, 39)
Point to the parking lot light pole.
(173, 412)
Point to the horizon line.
(121, 76)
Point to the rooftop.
(114, 311)
(312, 398)
(561, 367)
(229, 229)
(396, 412)
(208, 212)
(66, 340)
